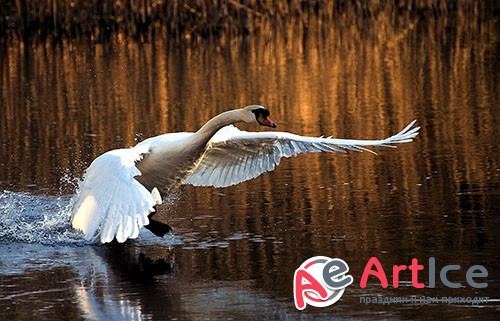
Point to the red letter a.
(379, 273)
(299, 287)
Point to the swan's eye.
(261, 112)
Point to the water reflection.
(62, 105)
(98, 296)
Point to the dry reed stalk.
(99, 19)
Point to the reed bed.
(99, 19)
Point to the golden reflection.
(63, 105)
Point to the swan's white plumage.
(110, 202)
(115, 198)
(234, 156)
(161, 141)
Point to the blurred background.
(78, 78)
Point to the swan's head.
(256, 114)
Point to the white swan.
(121, 187)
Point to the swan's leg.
(156, 227)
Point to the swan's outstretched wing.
(234, 156)
(110, 202)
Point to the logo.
(320, 281)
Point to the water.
(234, 250)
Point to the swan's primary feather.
(234, 156)
(110, 201)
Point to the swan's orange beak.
(264, 121)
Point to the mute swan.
(121, 187)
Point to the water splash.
(46, 219)
(68, 183)
(42, 219)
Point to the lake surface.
(233, 252)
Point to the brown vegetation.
(98, 19)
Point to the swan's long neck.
(205, 133)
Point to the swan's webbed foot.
(156, 227)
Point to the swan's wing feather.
(234, 156)
(110, 202)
